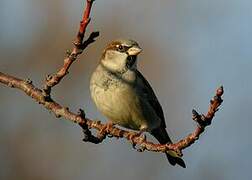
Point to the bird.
(122, 94)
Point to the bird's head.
(120, 55)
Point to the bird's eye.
(120, 47)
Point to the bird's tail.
(162, 136)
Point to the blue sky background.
(190, 48)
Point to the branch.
(42, 96)
(79, 46)
(105, 129)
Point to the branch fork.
(79, 46)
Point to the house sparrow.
(125, 97)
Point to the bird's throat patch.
(131, 61)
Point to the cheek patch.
(115, 61)
(110, 54)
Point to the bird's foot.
(106, 128)
(133, 135)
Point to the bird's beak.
(133, 51)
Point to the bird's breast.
(120, 101)
(114, 102)
(117, 100)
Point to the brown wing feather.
(152, 99)
(159, 133)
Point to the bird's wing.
(148, 93)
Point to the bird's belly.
(120, 105)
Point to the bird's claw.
(133, 135)
(141, 149)
(106, 129)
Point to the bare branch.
(42, 96)
(79, 46)
(104, 129)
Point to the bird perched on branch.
(125, 97)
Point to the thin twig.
(79, 46)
